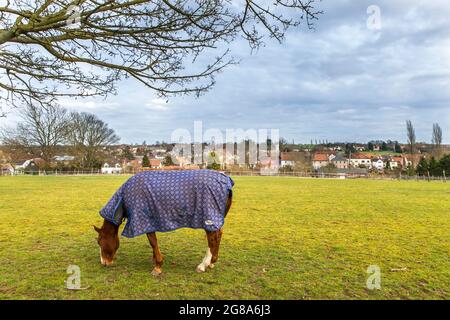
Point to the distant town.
(374, 157)
(52, 140)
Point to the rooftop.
(339, 157)
(292, 156)
(320, 157)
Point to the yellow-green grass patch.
(284, 238)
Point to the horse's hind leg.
(212, 253)
(216, 246)
(157, 256)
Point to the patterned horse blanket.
(167, 200)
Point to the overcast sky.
(341, 82)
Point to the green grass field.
(284, 238)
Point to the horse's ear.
(96, 229)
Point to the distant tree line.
(44, 129)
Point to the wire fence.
(249, 173)
(298, 174)
(424, 178)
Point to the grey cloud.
(340, 81)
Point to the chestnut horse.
(108, 240)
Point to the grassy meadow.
(284, 238)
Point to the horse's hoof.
(200, 268)
(156, 272)
(211, 266)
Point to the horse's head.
(108, 240)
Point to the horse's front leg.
(157, 256)
(212, 253)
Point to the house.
(378, 163)
(396, 162)
(6, 169)
(107, 169)
(410, 159)
(230, 158)
(268, 167)
(180, 160)
(320, 160)
(360, 160)
(28, 166)
(160, 154)
(340, 161)
(65, 160)
(289, 159)
(155, 163)
(22, 164)
(133, 165)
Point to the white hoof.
(200, 268)
(206, 261)
(211, 266)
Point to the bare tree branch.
(88, 134)
(44, 128)
(53, 48)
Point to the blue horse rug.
(163, 201)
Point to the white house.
(360, 159)
(6, 169)
(22, 165)
(107, 169)
(321, 160)
(27, 166)
(64, 158)
(394, 162)
(155, 163)
(290, 159)
(378, 164)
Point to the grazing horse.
(161, 201)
